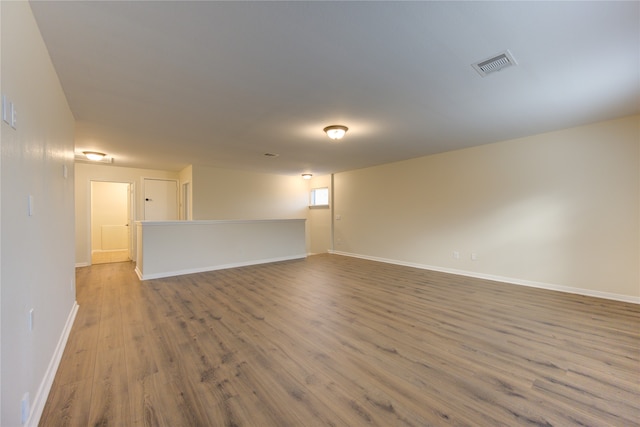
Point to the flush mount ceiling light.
(94, 155)
(335, 132)
(306, 176)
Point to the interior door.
(160, 199)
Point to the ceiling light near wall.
(335, 132)
(306, 176)
(94, 155)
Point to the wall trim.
(510, 280)
(153, 223)
(41, 396)
(216, 267)
(82, 264)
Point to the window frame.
(312, 198)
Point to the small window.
(319, 197)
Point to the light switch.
(14, 115)
(5, 109)
(30, 203)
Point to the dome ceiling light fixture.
(306, 176)
(335, 132)
(94, 155)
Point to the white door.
(160, 199)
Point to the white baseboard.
(41, 396)
(510, 280)
(82, 264)
(142, 276)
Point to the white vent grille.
(495, 63)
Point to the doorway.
(186, 201)
(110, 222)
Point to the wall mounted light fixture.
(335, 131)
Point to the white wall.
(84, 174)
(560, 209)
(233, 194)
(37, 266)
(171, 248)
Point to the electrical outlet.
(456, 255)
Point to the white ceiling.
(166, 84)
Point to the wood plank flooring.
(338, 341)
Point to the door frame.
(185, 201)
(131, 214)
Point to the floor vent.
(495, 63)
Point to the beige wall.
(560, 209)
(233, 194)
(85, 173)
(37, 265)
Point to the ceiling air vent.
(495, 63)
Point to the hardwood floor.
(340, 341)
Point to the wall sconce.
(335, 132)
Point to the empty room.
(323, 213)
